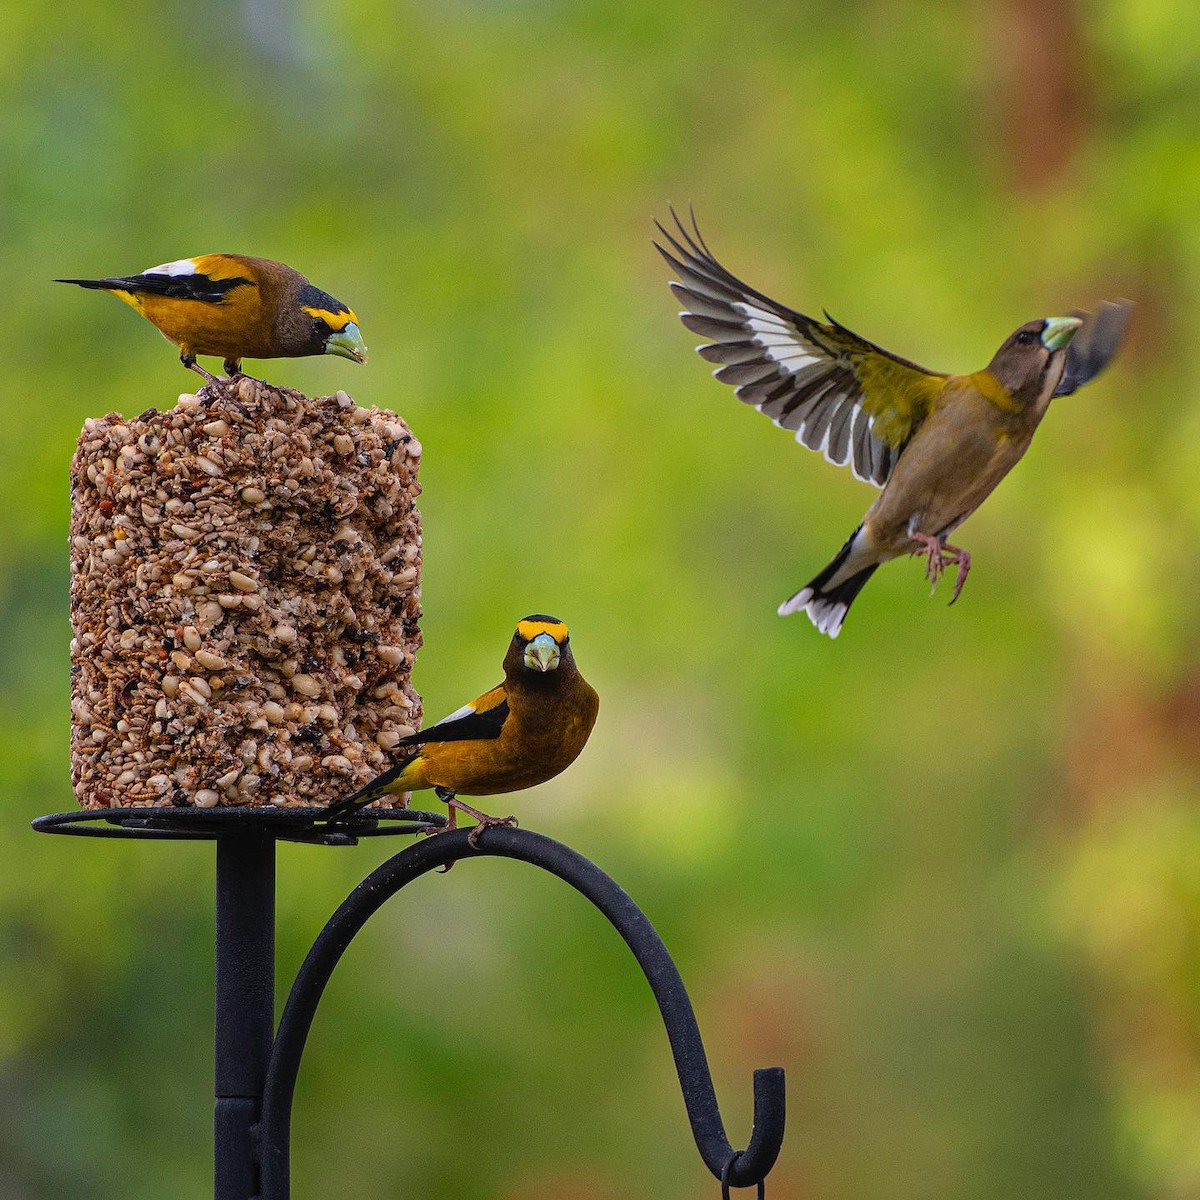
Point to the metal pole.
(245, 1015)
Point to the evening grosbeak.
(936, 444)
(521, 733)
(236, 307)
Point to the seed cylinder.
(245, 599)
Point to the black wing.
(466, 725)
(179, 287)
(1095, 345)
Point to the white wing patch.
(182, 266)
(779, 361)
(838, 434)
(780, 342)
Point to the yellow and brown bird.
(936, 444)
(521, 733)
(234, 307)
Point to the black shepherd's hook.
(737, 1169)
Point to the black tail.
(368, 792)
(102, 284)
(827, 607)
(817, 584)
(827, 610)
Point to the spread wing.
(1095, 345)
(851, 400)
(207, 278)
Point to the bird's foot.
(938, 556)
(446, 796)
(220, 387)
(483, 820)
(229, 387)
(486, 822)
(931, 549)
(231, 366)
(217, 386)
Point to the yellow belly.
(507, 764)
(235, 328)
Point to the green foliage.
(914, 866)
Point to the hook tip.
(752, 1165)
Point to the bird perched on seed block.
(234, 307)
(521, 733)
(936, 444)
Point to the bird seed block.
(245, 598)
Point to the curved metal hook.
(743, 1169)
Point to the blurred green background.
(945, 870)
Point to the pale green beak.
(347, 343)
(1059, 331)
(542, 653)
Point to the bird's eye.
(1026, 337)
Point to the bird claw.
(223, 389)
(483, 820)
(963, 562)
(509, 822)
(938, 556)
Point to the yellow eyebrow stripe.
(531, 629)
(335, 321)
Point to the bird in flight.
(936, 444)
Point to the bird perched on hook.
(521, 733)
(936, 444)
(234, 307)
